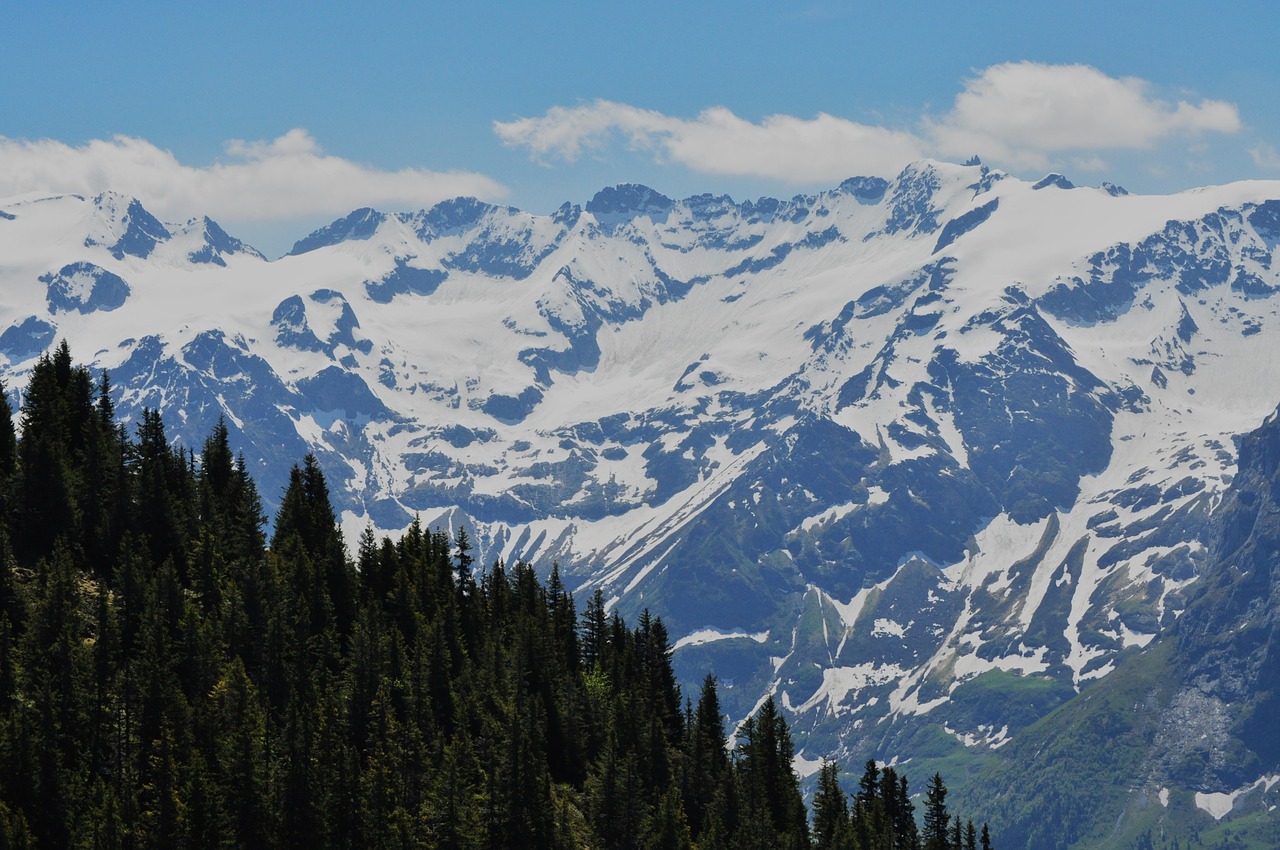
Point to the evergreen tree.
(770, 789)
(708, 762)
(594, 630)
(306, 524)
(8, 439)
(831, 827)
(666, 827)
(55, 411)
(169, 680)
(240, 757)
(936, 817)
(867, 815)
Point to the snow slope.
(879, 450)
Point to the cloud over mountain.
(1018, 115)
(283, 178)
(780, 147)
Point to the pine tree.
(936, 818)
(906, 835)
(666, 827)
(831, 827)
(770, 788)
(55, 409)
(708, 762)
(169, 680)
(8, 457)
(867, 815)
(307, 533)
(240, 756)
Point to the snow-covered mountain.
(1178, 744)
(922, 457)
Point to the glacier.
(922, 453)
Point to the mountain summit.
(922, 458)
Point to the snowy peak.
(119, 226)
(361, 224)
(627, 201)
(212, 244)
(868, 190)
(125, 227)
(883, 450)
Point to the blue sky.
(275, 118)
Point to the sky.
(276, 118)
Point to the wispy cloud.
(1265, 156)
(1018, 115)
(781, 147)
(283, 178)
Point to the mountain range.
(954, 465)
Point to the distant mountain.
(1179, 741)
(923, 458)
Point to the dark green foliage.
(770, 798)
(167, 680)
(882, 816)
(831, 825)
(936, 818)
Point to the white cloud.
(1022, 115)
(284, 178)
(781, 147)
(1091, 163)
(1265, 156)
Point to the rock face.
(84, 288)
(923, 458)
(1228, 641)
(1179, 740)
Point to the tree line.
(172, 678)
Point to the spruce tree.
(831, 827)
(169, 680)
(936, 817)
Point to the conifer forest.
(171, 676)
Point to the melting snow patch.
(831, 514)
(805, 767)
(1220, 803)
(837, 682)
(1216, 804)
(1098, 673)
(887, 627)
(1164, 797)
(702, 636)
(986, 736)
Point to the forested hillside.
(171, 678)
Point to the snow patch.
(704, 636)
(1220, 803)
(805, 766)
(984, 736)
(838, 682)
(884, 626)
(1217, 804)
